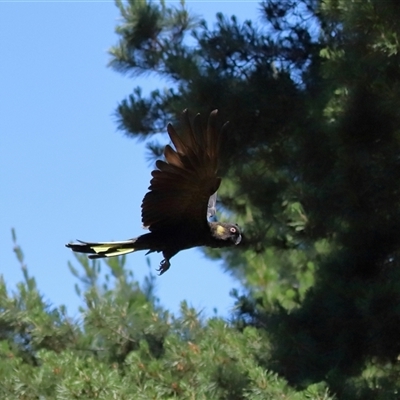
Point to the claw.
(164, 266)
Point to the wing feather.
(182, 185)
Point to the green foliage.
(127, 347)
(311, 171)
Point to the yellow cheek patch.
(220, 230)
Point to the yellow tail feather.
(103, 249)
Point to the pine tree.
(311, 171)
(127, 346)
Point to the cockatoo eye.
(233, 230)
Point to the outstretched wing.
(183, 184)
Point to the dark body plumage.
(181, 196)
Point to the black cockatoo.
(180, 201)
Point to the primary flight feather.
(182, 195)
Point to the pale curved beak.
(238, 239)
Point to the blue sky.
(65, 170)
